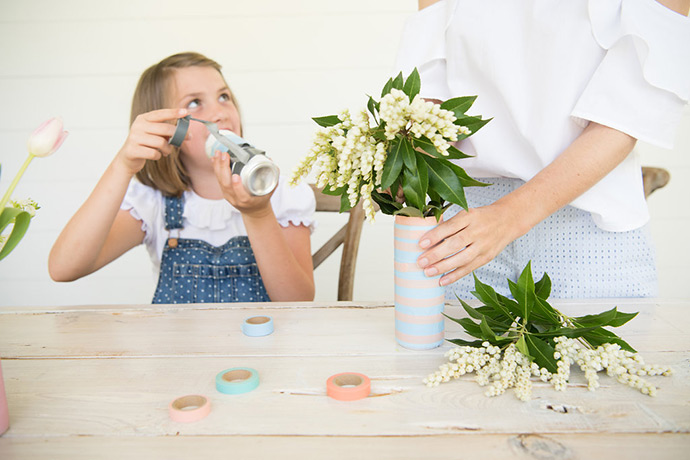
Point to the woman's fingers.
(464, 243)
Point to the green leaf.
(387, 204)
(522, 346)
(398, 81)
(455, 154)
(345, 205)
(465, 343)
(334, 192)
(543, 310)
(413, 84)
(569, 332)
(409, 212)
(443, 181)
(394, 162)
(611, 317)
(330, 120)
(464, 178)
(474, 124)
(387, 87)
(543, 287)
(498, 326)
(487, 332)
(373, 107)
(602, 336)
(486, 294)
(541, 352)
(408, 153)
(425, 144)
(622, 318)
(459, 105)
(21, 220)
(525, 290)
(414, 189)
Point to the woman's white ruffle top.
(543, 69)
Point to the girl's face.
(204, 93)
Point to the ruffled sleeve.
(643, 82)
(144, 204)
(294, 205)
(423, 45)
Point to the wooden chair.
(654, 179)
(348, 236)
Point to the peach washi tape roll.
(348, 386)
(190, 408)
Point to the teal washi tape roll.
(257, 326)
(237, 380)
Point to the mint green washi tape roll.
(237, 380)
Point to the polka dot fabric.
(582, 260)
(194, 271)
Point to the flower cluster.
(372, 154)
(500, 370)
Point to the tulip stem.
(14, 183)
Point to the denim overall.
(194, 271)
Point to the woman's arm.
(679, 6)
(99, 231)
(424, 3)
(282, 254)
(481, 233)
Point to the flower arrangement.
(44, 141)
(396, 152)
(525, 337)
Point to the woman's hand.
(235, 192)
(467, 241)
(148, 138)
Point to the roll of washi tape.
(237, 380)
(348, 386)
(190, 408)
(180, 131)
(257, 326)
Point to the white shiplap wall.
(286, 61)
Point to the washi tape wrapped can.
(419, 300)
(259, 174)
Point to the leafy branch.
(531, 323)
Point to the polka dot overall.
(194, 271)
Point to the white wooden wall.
(286, 60)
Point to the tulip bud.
(47, 138)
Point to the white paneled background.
(286, 61)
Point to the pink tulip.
(47, 138)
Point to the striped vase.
(419, 299)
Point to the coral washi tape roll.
(190, 408)
(257, 326)
(237, 380)
(348, 386)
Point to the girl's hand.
(148, 138)
(466, 241)
(234, 191)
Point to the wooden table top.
(96, 381)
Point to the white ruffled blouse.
(213, 221)
(543, 69)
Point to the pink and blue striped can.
(419, 300)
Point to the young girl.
(210, 239)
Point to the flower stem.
(15, 181)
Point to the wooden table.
(95, 382)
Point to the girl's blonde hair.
(153, 91)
